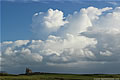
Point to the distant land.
(57, 76)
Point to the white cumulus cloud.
(89, 37)
(46, 23)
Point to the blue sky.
(16, 15)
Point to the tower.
(28, 71)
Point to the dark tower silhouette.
(28, 71)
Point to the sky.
(63, 36)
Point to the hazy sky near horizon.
(67, 36)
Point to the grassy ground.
(58, 77)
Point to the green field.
(60, 77)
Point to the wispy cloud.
(113, 3)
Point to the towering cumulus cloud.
(90, 37)
(46, 23)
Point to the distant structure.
(28, 71)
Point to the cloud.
(82, 20)
(113, 3)
(46, 23)
(89, 37)
(106, 53)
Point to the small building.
(28, 71)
